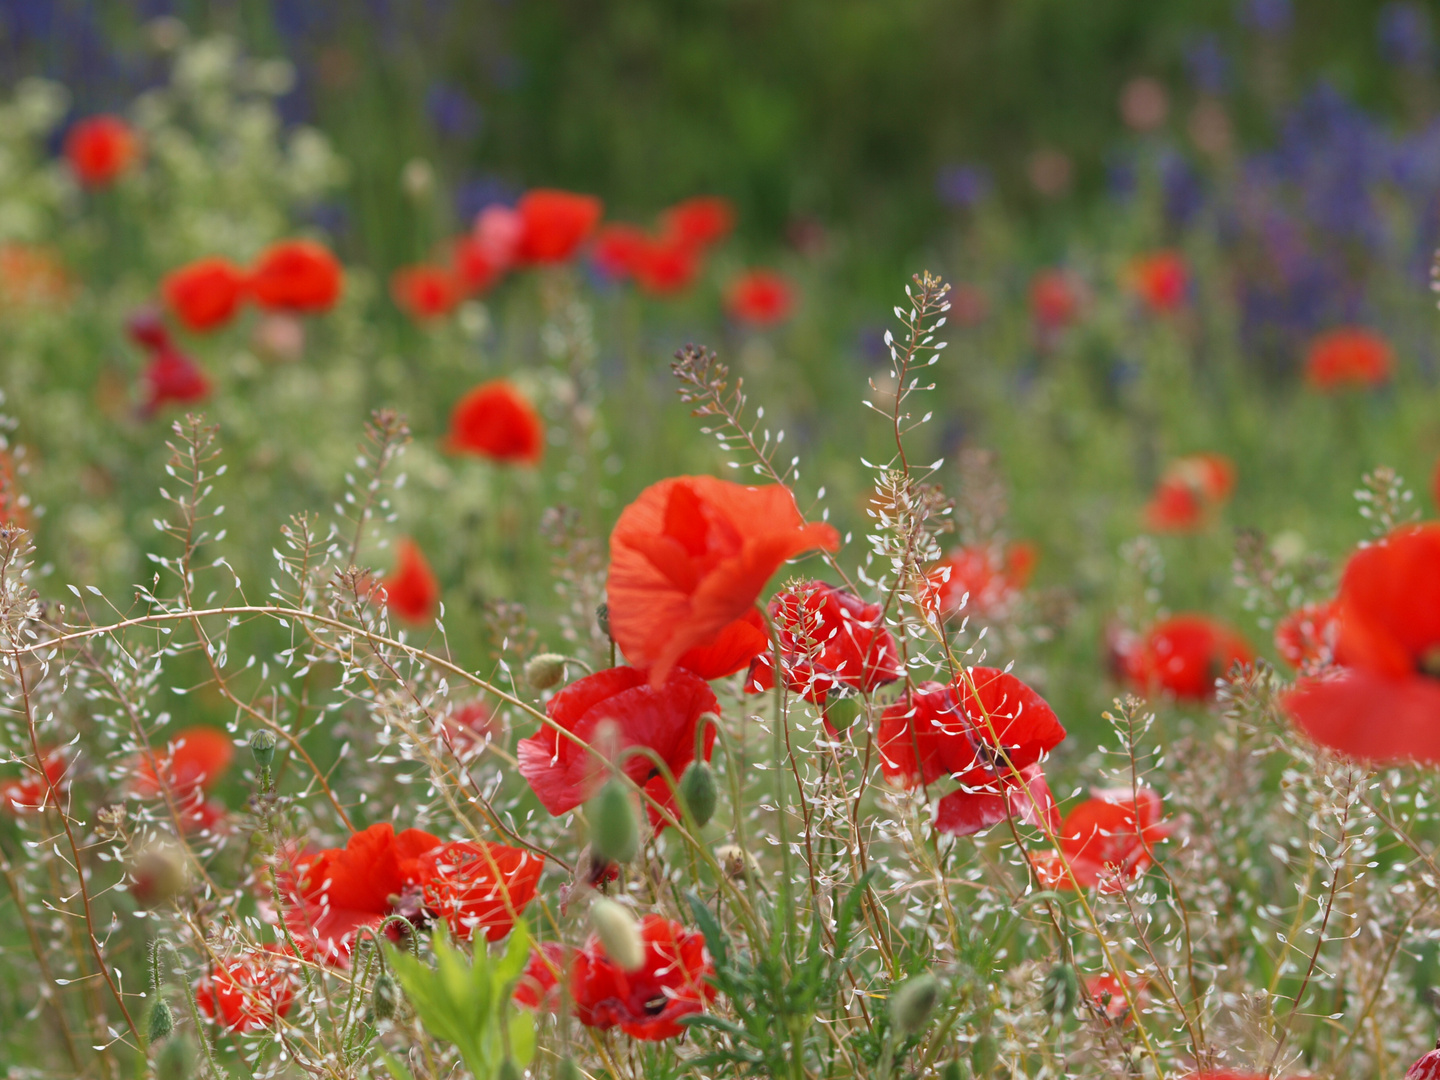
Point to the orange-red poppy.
(700, 221)
(1107, 840)
(411, 591)
(1189, 492)
(553, 224)
(100, 149)
(1184, 655)
(478, 888)
(424, 292)
(760, 298)
(1351, 357)
(1161, 280)
(206, 293)
(674, 981)
(1054, 299)
(297, 275)
(496, 421)
(249, 992)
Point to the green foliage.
(465, 1001)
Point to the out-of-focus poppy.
(1306, 637)
(470, 726)
(31, 791)
(497, 231)
(1351, 357)
(690, 555)
(478, 887)
(760, 298)
(1054, 299)
(248, 992)
(1107, 840)
(424, 292)
(1381, 702)
(411, 591)
(539, 984)
(983, 580)
(473, 266)
(206, 293)
(988, 731)
(496, 421)
(553, 224)
(32, 276)
(100, 149)
(1161, 280)
(673, 982)
(172, 378)
(14, 506)
(663, 718)
(699, 222)
(1108, 992)
(1184, 655)
(666, 267)
(731, 651)
(618, 250)
(184, 772)
(297, 275)
(1189, 491)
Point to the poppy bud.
(385, 996)
(1061, 991)
(162, 1023)
(158, 873)
(842, 711)
(952, 1070)
(984, 1054)
(697, 789)
(545, 671)
(613, 832)
(913, 1001)
(262, 745)
(568, 1070)
(602, 617)
(618, 934)
(175, 1061)
(1427, 1068)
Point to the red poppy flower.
(473, 266)
(1184, 655)
(1382, 704)
(497, 231)
(1189, 491)
(731, 651)
(172, 378)
(829, 640)
(1107, 840)
(412, 590)
(539, 985)
(666, 267)
(334, 892)
(690, 556)
(1108, 992)
(14, 506)
(760, 298)
(495, 421)
(1161, 280)
(700, 221)
(481, 887)
(646, 1004)
(1426, 1068)
(101, 148)
(206, 293)
(1306, 637)
(619, 249)
(990, 738)
(553, 224)
(1351, 357)
(563, 774)
(193, 758)
(31, 791)
(297, 275)
(470, 728)
(424, 292)
(982, 580)
(1054, 299)
(250, 992)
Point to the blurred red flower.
(1382, 703)
(563, 774)
(990, 737)
(474, 266)
(497, 232)
(700, 221)
(553, 224)
(469, 726)
(1161, 280)
(332, 893)
(981, 580)
(1183, 655)
(1054, 299)
(101, 148)
(731, 650)
(1306, 637)
(478, 886)
(539, 984)
(690, 555)
(1351, 357)
(172, 378)
(496, 421)
(297, 275)
(412, 590)
(32, 276)
(1108, 992)
(184, 772)
(647, 1004)
(1189, 491)
(14, 507)
(829, 640)
(1107, 840)
(205, 293)
(31, 791)
(618, 250)
(760, 298)
(249, 992)
(666, 267)
(424, 292)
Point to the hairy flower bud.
(602, 618)
(912, 1002)
(262, 745)
(618, 933)
(385, 996)
(162, 1022)
(984, 1054)
(613, 832)
(545, 670)
(697, 789)
(1061, 990)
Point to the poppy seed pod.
(841, 712)
(613, 832)
(385, 996)
(913, 1001)
(545, 671)
(262, 746)
(618, 934)
(697, 788)
(1061, 991)
(162, 1023)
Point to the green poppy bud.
(842, 711)
(385, 996)
(618, 933)
(262, 746)
(613, 831)
(602, 617)
(952, 1070)
(984, 1054)
(162, 1022)
(697, 789)
(1061, 990)
(545, 671)
(912, 1002)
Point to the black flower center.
(656, 1005)
(1429, 662)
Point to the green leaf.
(714, 937)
